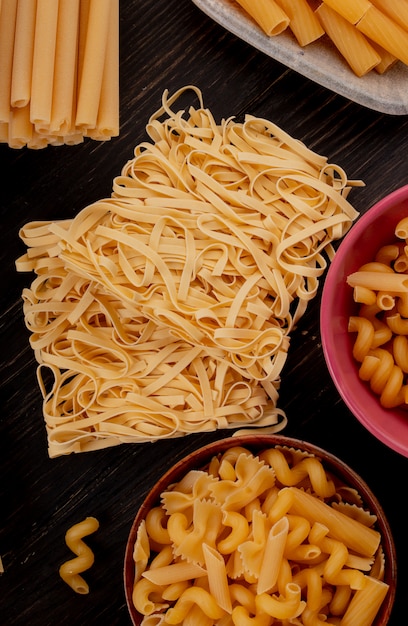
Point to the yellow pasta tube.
(89, 91)
(23, 53)
(268, 14)
(107, 124)
(401, 229)
(65, 67)
(352, 533)
(21, 129)
(272, 556)
(43, 63)
(217, 577)
(397, 11)
(303, 21)
(8, 13)
(387, 60)
(350, 42)
(382, 281)
(365, 603)
(71, 571)
(351, 10)
(173, 573)
(384, 31)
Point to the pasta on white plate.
(167, 308)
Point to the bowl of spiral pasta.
(364, 320)
(260, 529)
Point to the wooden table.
(166, 44)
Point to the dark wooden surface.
(165, 44)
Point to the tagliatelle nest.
(167, 308)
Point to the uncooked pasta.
(167, 308)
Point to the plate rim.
(284, 49)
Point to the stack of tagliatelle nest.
(166, 309)
(59, 71)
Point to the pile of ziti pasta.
(167, 308)
(369, 34)
(59, 71)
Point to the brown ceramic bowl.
(255, 443)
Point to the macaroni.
(380, 325)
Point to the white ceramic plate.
(387, 93)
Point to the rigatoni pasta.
(262, 580)
(368, 35)
(166, 309)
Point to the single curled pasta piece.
(283, 607)
(71, 570)
(386, 379)
(310, 467)
(190, 597)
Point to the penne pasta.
(379, 281)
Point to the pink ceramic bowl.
(200, 458)
(374, 229)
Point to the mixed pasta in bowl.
(364, 320)
(260, 529)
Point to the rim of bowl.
(393, 432)
(201, 456)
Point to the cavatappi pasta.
(380, 325)
(268, 539)
(59, 71)
(71, 570)
(368, 35)
(167, 308)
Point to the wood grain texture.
(164, 44)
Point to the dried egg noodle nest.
(166, 309)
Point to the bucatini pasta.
(368, 35)
(71, 570)
(261, 580)
(167, 309)
(380, 288)
(59, 71)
